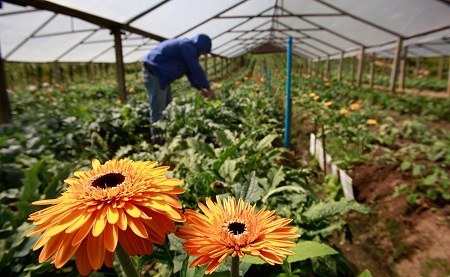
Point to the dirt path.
(396, 240)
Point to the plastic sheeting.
(80, 31)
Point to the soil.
(396, 239)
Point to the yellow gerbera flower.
(316, 97)
(328, 103)
(372, 121)
(229, 228)
(122, 201)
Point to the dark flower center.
(108, 180)
(236, 228)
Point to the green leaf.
(310, 249)
(223, 138)
(283, 188)
(405, 165)
(331, 208)
(365, 273)
(201, 147)
(217, 164)
(31, 182)
(276, 177)
(266, 142)
(418, 169)
(250, 191)
(430, 180)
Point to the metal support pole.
(287, 124)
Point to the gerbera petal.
(132, 210)
(96, 251)
(111, 237)
(82, 259)
(113, 215)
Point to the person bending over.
(169, 61)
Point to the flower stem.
(126, 262)
(235, 266)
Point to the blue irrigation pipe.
(287, 122)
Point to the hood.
(202, 42)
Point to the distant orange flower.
(312, 94)
(121, 201)
(316, 97)
(343, 111)
(372, 121)
(131, 90)
(355, 106)
(327, 84)
(118, 102)
(233, 229)
(216, 85)
(237, 83)
(313, 85)
(62, 89)
(245, 78)
(329, 103)
(261, 79)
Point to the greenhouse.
(225, 138)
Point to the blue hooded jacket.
(173, 58)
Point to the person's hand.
(208, 93)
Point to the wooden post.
(441, 67)
(5, 109)
(310, 67)
(372, 70)
(352, 71)
(205, 65)
(341, 64)
(136, 70)
(214, 67)
(327, 68)
(401, 81)
(360, 66)
(56, 72)
(448, 78)
(417, 67)
(120, 73)
(395, 64)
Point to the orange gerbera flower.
(122, 201)
(328, 103)
(231, 228)
(343, 111)
(355, 106)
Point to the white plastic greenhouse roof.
(80, 30)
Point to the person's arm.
(195, 73)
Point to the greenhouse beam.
(288, 94)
